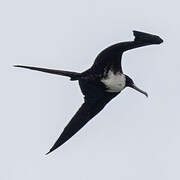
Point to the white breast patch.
(114, 82)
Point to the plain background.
(134, 137)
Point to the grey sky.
(133, 137)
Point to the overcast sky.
(134, 137)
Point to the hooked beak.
(141, 91)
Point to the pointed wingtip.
(48, 152)
(147, 37)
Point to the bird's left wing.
(90, 107)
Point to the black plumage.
(100, 83)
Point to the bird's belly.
(114, 82)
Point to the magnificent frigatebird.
(100, 83)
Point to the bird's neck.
(114, 67)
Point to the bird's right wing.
(87, 111)
(115, 51)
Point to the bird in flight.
(103, 81)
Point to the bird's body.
(100, 83)
(114, 82)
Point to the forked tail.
(72, 75)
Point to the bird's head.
(130, 83)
